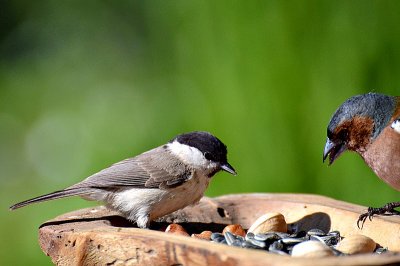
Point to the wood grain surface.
(98, 236)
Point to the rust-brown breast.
(383, 154)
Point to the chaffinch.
(369, 124)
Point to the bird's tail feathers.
(54, 195)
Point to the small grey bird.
(156, 182)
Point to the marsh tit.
(154, 183)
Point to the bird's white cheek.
(189, 155)
(396, 125)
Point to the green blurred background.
(84, 84)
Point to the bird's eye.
(207, 155)
(343, 134)
(329, 134)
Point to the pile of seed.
(270, 233)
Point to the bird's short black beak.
(228, 168)
(333, 149)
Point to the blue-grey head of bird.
(356, 123)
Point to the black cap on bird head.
(373, 107)
(212, 148)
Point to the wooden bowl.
(98, 236)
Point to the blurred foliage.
(84, 84)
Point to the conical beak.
(333, 149)
(228, 168)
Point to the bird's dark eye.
(208, 155)
(329, 134)
(343, 134)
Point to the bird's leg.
(143, 221)
(387, 209)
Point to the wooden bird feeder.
(98, 236)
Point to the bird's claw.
(388, 209)
(363, 217)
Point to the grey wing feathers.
(152, 169)
(54, 195)
(124, 173)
